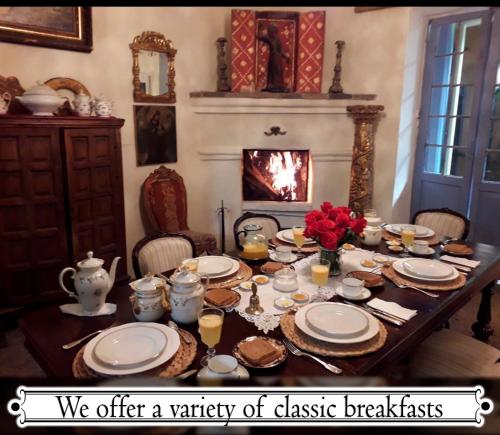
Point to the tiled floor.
(15, 360)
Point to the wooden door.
(95, 194)
(33, 240)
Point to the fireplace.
(276, 175)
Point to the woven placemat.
(455, 284)
(173, 367)
(433, 240)
(244, 274)
(310, 344)
(306, 248)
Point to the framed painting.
(155, 132)
(64, 27)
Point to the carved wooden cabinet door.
(33, 240)
(95, 190)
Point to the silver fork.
(297, 352)
(74, 343)
(432, 295)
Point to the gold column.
(361, 184)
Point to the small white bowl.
(396, 248)
(223, 364)
(246, 285)
(283, 302)
(262, 277)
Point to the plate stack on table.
(135, 349)
(334, 329)
(393, 232)
(223, 271)
(426, 274)
(285, 237)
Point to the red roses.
(332, 226)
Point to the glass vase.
(333, 256)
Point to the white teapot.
(92, 282)
(186, 295)
(148, 301)
(5, 100)
(82, 104)
(371, 236)
(103, 106)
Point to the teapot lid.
(90, 261)
(185, 278)
(147, 283)
(41, 89)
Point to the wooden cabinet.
(61, 195)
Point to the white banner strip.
(250, 406)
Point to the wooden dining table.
(47, 329)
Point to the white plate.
(426, 268)
(274, 257)
(234, 268)
(429, 251)
(214, 265)
(300, 321)
(338, 321)
(420, 231)
(287, 236)
(167, 353)
(130, 346)
(398, 267)
(365, 294)
(240, 373)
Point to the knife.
(456, 266)
(376, 313)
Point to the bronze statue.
(275, 82)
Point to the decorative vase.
(333, 256)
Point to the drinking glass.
(298, 237)
(320, 269)
(210, 322)
(407, 238)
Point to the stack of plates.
(216, 266)
(131, 348)
(425, 269)
(287, 236)
(420, 231)
(334, 322)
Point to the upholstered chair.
(161, 252)
(164, 208)
(448, 354)
(270, 225)
(444, 222)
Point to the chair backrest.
(164, 201)
(161, 252)
(444, 222)
(270, 225)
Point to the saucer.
(430, 251)
(240, 373)
(274, 257)
(77, 310)
(365, 294)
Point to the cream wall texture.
(373, 62)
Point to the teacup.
(223, 364)
(352, 287)
(283, 253)
(420, 246)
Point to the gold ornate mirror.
(153, 68)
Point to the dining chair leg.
(482, 329)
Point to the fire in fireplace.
(275, 175)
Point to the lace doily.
(264, 322)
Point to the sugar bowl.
(149, 301)
(285, 280)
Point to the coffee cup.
(283, 253)
(223, 364)
(420, 246)
(352, 287)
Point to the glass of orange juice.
(298, 237)
(407, 238)
(210, 322)
(320, 269)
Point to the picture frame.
(155, 133)
(65, 28)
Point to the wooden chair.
(270, 225)
(449, 354)
(160, 252)
(164, 208)
(444, 222)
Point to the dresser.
(61, 195)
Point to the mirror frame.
(153, 41)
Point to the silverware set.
(388, 317)
(76, 342)
(297, 352)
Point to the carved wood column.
(361, 183)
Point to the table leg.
(482, 328)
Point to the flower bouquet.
(331, 227)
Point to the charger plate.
(245, 273)
(309, 344)
(182, 359)
(454, 284)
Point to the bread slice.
(270, 267)
(219, 296)
(258, 352)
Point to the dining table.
(46, 329)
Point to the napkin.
(392, 308)
(461, 261)
(77, 310)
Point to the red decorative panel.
(9, 149)
(287, 30)
(242, 50)
(11, 184)
(102, 148)
(102, 179)
(311, 51)
(14, 219)
(83, 210)
(82, 181)
(45, 216)
(40, 148)
(81, 149)
(103, 206)
(42, 183)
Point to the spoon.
(174, 326)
